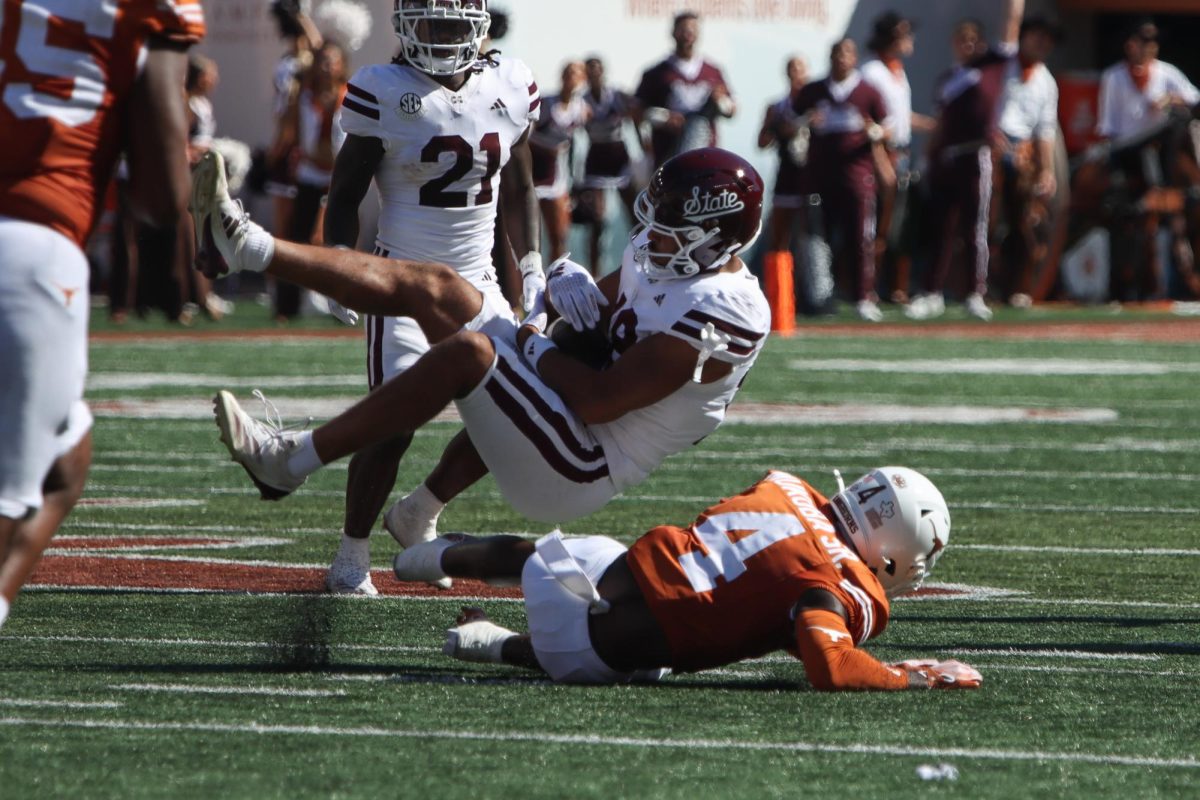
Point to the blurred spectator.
(202, 80)
(780, 129)
(891, 42)
(682, 96)
(297, 29)
(550, 145)
(308, 122)
(1026, 144)
(1136, 94)
(845, 154)
(609, 164)
(1143, 115)
(960, 163)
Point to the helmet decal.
(707, 206)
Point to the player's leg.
(413, 518)
(434, 295)
(43, 358)
(279, 460)
(496, 560)
(23, 547)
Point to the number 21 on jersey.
(726, 558)
(67, 82)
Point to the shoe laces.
(274, 422)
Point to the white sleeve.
(1177, 83)
(360, 111)
(1047, 124)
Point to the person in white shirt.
(1026, 144)
(891, 42)
(1144, 107)
(1135, 94)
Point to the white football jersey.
(637, 443)
(440, 175)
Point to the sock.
(357, 550)
(424, 503)
(259, 249)
(3, 611)
(304, 460)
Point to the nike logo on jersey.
(835, 636)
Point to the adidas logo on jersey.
(499, 106)
(658, 298)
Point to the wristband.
(535, 347)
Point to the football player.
(436, 129)
(685, 317)
(777, 567)
(80, 82)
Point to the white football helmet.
(898, 523)
(441, 37)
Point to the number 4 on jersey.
(725, 557)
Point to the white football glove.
(533, 279)
(574, 293)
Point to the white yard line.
(1020, 367)
(186, 688)
(1086, 655)
(119, 640)
(596, 740)
(24, 702)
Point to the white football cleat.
(422, 562)
(976, 307)
(479, 641)
(345, 576)
(926, 306)
(868, 311)
(223, 228)
(409, 529)
(261, 448)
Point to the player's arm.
(833, 663)
(1015, 10)
(156, 138)
(647, 372)
(353, 170)
(766, 134)
(516, 188)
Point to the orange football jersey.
(66, 69)
(724, 589)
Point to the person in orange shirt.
(79, 83)
(777, 567)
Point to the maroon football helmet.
(710, 200)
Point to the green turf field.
(1070, 465)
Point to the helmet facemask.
(441, 37)
(695, 251)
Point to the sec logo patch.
(410, 105)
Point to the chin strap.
(837, 473)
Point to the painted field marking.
(118, 640)
(249, 490)
(109, 381)
(1086, 655)
(1142, 673)
(1079, 551)
(186, 688)
(1022, 367)
(596, 740)
(739, 413)
(25, 702)
(139, 502)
